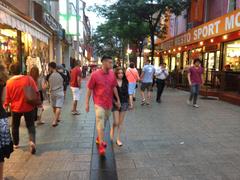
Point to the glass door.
(209, 65)
(173, 63)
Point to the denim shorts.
(131, 88)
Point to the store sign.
(52, 23)
(220, 26)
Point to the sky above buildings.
(94, 19)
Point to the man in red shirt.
(15, 97)
(102, 85)
(75, 84)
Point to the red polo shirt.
(75, 73)
(102, 85)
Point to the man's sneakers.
(196, 106)
(104, 143)
(188, 102)
(101, 147)
(102, 150)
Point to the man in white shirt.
(161, 75)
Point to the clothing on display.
(33, 61)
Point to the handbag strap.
(133, 74)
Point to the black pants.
(16, 120)
(160, 87)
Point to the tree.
(106, 42)
(151, 12)
(124, 26)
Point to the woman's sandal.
(119, 143)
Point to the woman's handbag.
(31, 96)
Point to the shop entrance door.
(209, 66)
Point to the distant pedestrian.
(132, 77)
(60, 70)
(55, 81)
(102, 85)
(195, 80)
(67, 75)
(75, 83)
(34, 73)
(161, 76)
(6, 144)
(119, 114)
(17, 90)
(147, 80)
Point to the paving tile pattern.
(174, 141)
(63, 153)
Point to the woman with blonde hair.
(6, 145)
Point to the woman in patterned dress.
(6, 145)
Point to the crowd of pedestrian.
(113, 90)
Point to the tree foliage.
(133, 20)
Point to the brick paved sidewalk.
(63, 153)
(170, 141)
(176, 142)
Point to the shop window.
(8, 47)
(232, 56)
(173, 63)
(231, 5)
(156, 61)
(185, 59)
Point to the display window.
(8, 47)
(35, 53)
(185, 59)
(232, 56)
(156, 61)
(178, 60)
(173, 63)
(195, 53)
(166, 60)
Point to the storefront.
(217, 44)
(232, 55)
(21, 39)
(8, 46)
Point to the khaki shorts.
(57, 100)
(102, 115)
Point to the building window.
(232, 56)
(231, 5)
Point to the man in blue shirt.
(147, 80)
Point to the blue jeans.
(195, 88)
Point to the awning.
(11, 19)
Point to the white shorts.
(76, 93)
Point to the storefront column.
(19, 49)
(58, 51)
(67, 57)
(51, 50)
